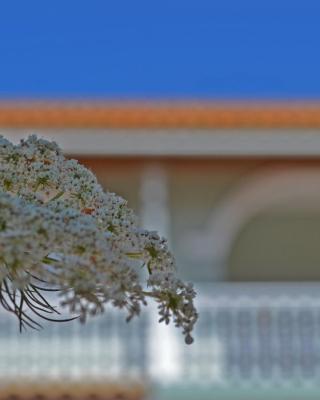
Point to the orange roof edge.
(173, 114)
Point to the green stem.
(149, 294)
(57, 196)
(134, 255)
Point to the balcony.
(251, 338)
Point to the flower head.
(59, 227)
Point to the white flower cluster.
(58, 225)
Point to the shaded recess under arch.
(286, 187)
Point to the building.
(236, 189)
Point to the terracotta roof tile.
(75, 391)
(159, 115)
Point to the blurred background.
(205, 115)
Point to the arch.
(272, 186)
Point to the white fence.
(247, 335)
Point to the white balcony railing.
(247, 334)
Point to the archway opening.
(277, 246)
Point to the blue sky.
(184, 49)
